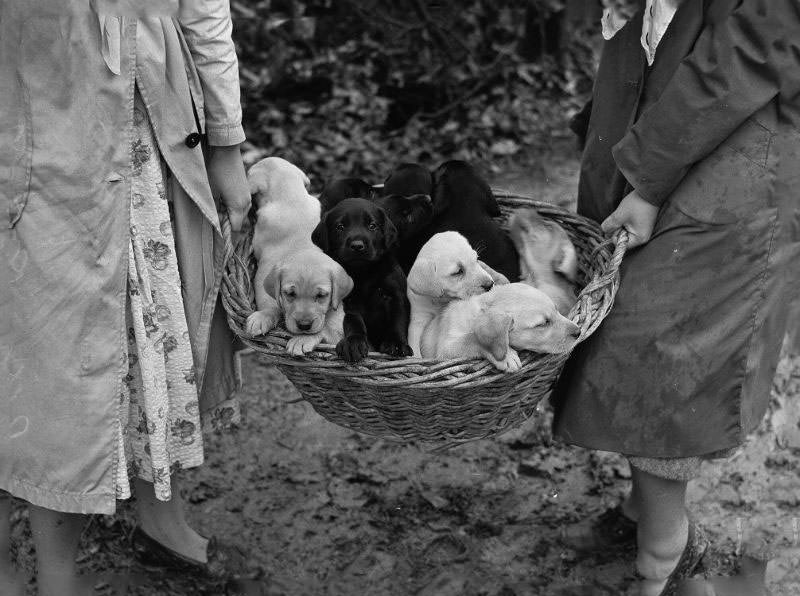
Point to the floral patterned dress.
(160, 430)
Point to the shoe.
(696, 547)
(225, 561)
(611, 530)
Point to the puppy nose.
(488, 285)
(304, 325)
(358, 245)
(575, 334)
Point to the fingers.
(236, 217)
(611, 224)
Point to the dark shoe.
(225, 561)
(696, 547)
(611, 530)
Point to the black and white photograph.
(400, 298)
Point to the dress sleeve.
(207, 27)
(737, 66)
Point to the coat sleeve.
(207, 27)
(737, 66)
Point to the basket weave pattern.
(429, 400)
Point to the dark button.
(193, 140)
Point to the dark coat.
(710, 133)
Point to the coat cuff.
(225, 135)
(654, 184)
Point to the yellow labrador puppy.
(496, 324)
(547, 257)
(307, 289)
(286, 216)
(446, 269)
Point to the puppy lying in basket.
(446, 269)
(548, 260)
(496, 324)
(295, 280)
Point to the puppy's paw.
(397, 349)
(260, 322)
(511, 362)
(300, 345)
(353, 348)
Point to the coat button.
(193, 140)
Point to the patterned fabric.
(162, 430)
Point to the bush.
(353, 87)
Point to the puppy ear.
(566, 261)
(272, 283)
(341, 285)
(422, 274)
(389, 231)
(497, 277)
(491, 333)
(320, 234)
(441, 198)
(490, 203)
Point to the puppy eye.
(459, 271)
(545, 323)
(321, 296)
(339, 227)
(290, 294)
(373, 226)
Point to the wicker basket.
(429, 400)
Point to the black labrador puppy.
(360, 236)
(410, 214)
(339, 189)
(409, 179)
(463, 202)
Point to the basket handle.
(227, 233)
(621, 238)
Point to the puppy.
(409, 179)
(360, 236)
(496, 324)
(339, 189)
(548, 260)
(308, 288)
(286, 216)
(410, 214)
(446, 269)
(463, 202)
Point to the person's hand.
(636, 215)
(229, 182)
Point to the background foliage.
(351, 87)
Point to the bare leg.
(165, 521)
(10, 581)
(56, 537)
(663, 528)
(630, 506)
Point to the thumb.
(612, 223)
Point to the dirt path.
(330, 512)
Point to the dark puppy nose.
(488, 285)
(575, 334)
(358, 245)
(303, 325)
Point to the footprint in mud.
(445, 549)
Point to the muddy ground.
(328, 512)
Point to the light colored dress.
(160, 426)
